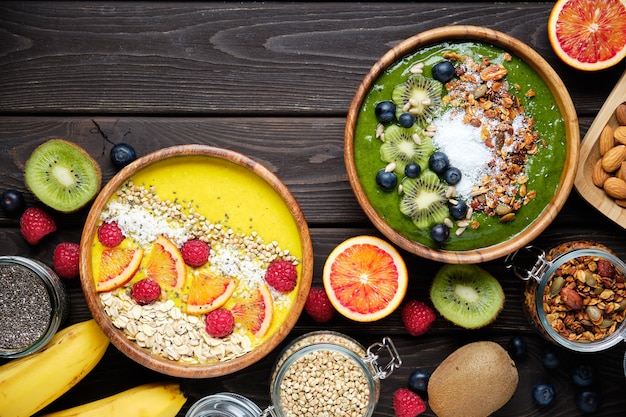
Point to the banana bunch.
(30, 383)
(153, 400)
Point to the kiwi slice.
(467, 295)
(424, 199)
(401, 147)
(62, 175)
(419, 96)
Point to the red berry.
(417, 317)
(195, 252)
(406, 403)
(220, 323)
(281, 275)
(35, 224)
(110, 234)
(318, 305)
(146, 291)
(65, 260)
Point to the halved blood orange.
(117, 267)
(165, 264)
(208, 291)
(255, 310)
(365, 278)
(588, 35)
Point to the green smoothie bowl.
(461, 144)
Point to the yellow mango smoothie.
(247, 229)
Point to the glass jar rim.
(276, 389)
(592, 346)
(58, 303)
(224, 404)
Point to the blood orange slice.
(117, 267)
(588, 35)
(208, 291)
(365, 278)
(165, 264)
(255, 310)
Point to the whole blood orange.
(588, 35)
(365, 278)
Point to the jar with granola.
(575, 294)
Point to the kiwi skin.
(452, 291)
(72, 157)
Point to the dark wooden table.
(273, 81)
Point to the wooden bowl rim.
(564, 102)
(157, 363)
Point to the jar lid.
(224, 404)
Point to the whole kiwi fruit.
(474, 381)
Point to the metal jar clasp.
(528, 262)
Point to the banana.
(30, 383)
(153, 400)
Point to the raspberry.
(35, 224)
(281, 275)
(417, 317)
(146, 291)
(65, 260)
(110, 234)
(195, 252)
(406, 403)
(318, 305)
(220, 323)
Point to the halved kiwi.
(419, 96)
(62, 175)
(404, 145)
(467, 295)
(424, 199)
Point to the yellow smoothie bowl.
(498, 111)
(246, 217)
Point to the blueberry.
(543, 393)
(438, 162)
(452, 175)
(439, 233)
(418, 380)
(517, 347)
(412, 170)
(12, 201)
(406, 120)
(386, 180)
(550, 359)
(122, 154)
(459, 210)
(588, 401)
(385, 111)
(583, 375)
(443, 71)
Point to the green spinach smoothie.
(542, 165)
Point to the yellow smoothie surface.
(247, 226)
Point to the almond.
(621, 203)
(621, 172)
(599, 175)
(620, 114)
(615, 188)
(614, 157)
(571, 298)
(607, 139)
(620, 135)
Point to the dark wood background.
(273, 81)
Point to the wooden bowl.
(257, 192)
(556, 88)
(590, 154)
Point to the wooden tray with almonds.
(590, 153)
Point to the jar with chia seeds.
(575, 294)
(319, 374)
(33, 305)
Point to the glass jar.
(347, 375)
(571, 296)
(33, 305)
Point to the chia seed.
(25, 307)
